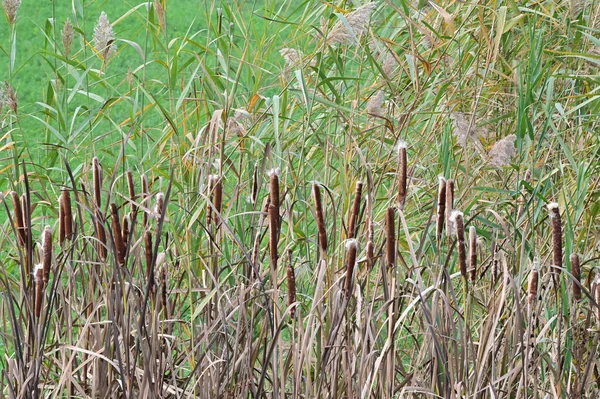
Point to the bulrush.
(273, 235)
(19, 218)
(473, 253)
(320, 218)
(459, 225)
(576, 272)
(126, 229)
(355, 210)
(390, 238)
(117, 234)
(449, 206)
(67, 212)
(47, 253)
(97, 177)
(441, 210)
(402, 174)
(159, 207)
(291, 283)
(533, 284)
(274, 193)
(351, 249)
(38, 276)
(557, 250)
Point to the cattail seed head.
(67, 35)
(390, 238)
(273, 234)
(117, 234)
(97, 176)
(351, 249)
(38, 275)
(576, 272)
(255, 185)
(459, 224)
(449, 206)
(355, 210)
(67, 212)
(291, 283)
(19, 218)
(102, 247)
(47, 251)
(473, 253)
(320, 218)
(533, 284)
(402, 174)
(159, 207)
(441, 210)
(557, 250)
(126, 230)
(274, 192)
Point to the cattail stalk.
(355, 210)
(131, 189)
(255, 185)
(19, 219)
(351, 249)
(449, 205)
(390, 238)
(402, 174)
(441, 210)
(576, 272)
(459, 225)
(291, 283)
(473, 253)
(47, 253)
(218, 203)
(557, 250)
(117, 234)
(320, 218)
(61, 221)
(102, 247)
(145, 197)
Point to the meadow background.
(278, 243)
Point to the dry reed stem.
(19, 218)
(473, 253)
(441, 210)
(117, 234)
(390, 238)
(320, 218)
(402, 174)
(131, 189)
(148, 254)
(351, 249)
(291, 283)
(47, 253)
(355, 210)
(557, 250)
(576, 272)
(210, 199)
(449, 207)
(370, 249)
(145, 197)
(255, 185)
(459, 225)
(218, 201)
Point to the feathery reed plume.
(67, 35)
(38, 275)
(254, 196)
(47, 253)
(218, 201)
(358, 21)
(274, 193)
(10, 97)
(390, 238)
(355, 210)
(449, 207)
(273, 234)
(576, 272)
(375, 104)
(117, 234)
(291, 283)
(131, 189)
(126, 229)
(148, 254)
(533, 285)
(97, 176)
(402, 174)
(351, 249)
(104, 37)
(293, 57)
(159, 207)
(503, 151)
(19, 219)
(459, 224)
(557, 250)
(10, 8)
(320, 218)
(473, 253)
(68, 215)
(160, 13)
(145, 196)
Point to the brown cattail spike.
(19, 218)
(355, 210)
(441, 210)
(97, 176)
(557, 250)
(576, 272)
(274, 192)
(390, 238)
(38, 275)
(126, 229)
(459, 224)
(351, 249)
(117, 234)
(218, 203)
(473, 253)
(47, 251)
(102, 248)
(533, 284)
(320, 218)
(159, 208)
(273, 234)
(449, 205)
(596, 286)
(291, 283)
(402, 174)
(66, 203)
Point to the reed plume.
(402, 174)
(104, 37)
(576, 272)
(473, 253)
(459, 225)
(449, 206)
(351, 249)
(117, 234)
(320, 218)
(355, 210)
(557, 250)
(67, 35)
(390, 238)
(11, 7)
(357, 25)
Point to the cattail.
(218, 188)
(441, 210)
(47, 253)
(557, 250)
(10, 8)
(38, 275)
(274, 193)
(576, 271)
(273, 234)
(159, 208)
(131, 189)
(351, 249)
(291, 283)
(102, 247)
(473, 253)
(117, 234)
(390, 238)
(320, 218)
(355, 210)
(67, 37)
(145, 196)
(148, 253)
(402, 174)
(19, 218)
(97, 176)
(449, 205)
(459, 224)
(255, 186)
(104, 37)
(66, 197)
(533, 285)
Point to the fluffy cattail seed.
(291, 283)
(390, 238)
(351, 249)
(47, 253)
(557, 250)
(162, 266)
(355, 210)
(441, 210)
(19, 218)
(576, 272)
(402, 174)
(449, 205)
(473, 253)
(457, 219)
(320, 218)
(159, 208)
(117, 234)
